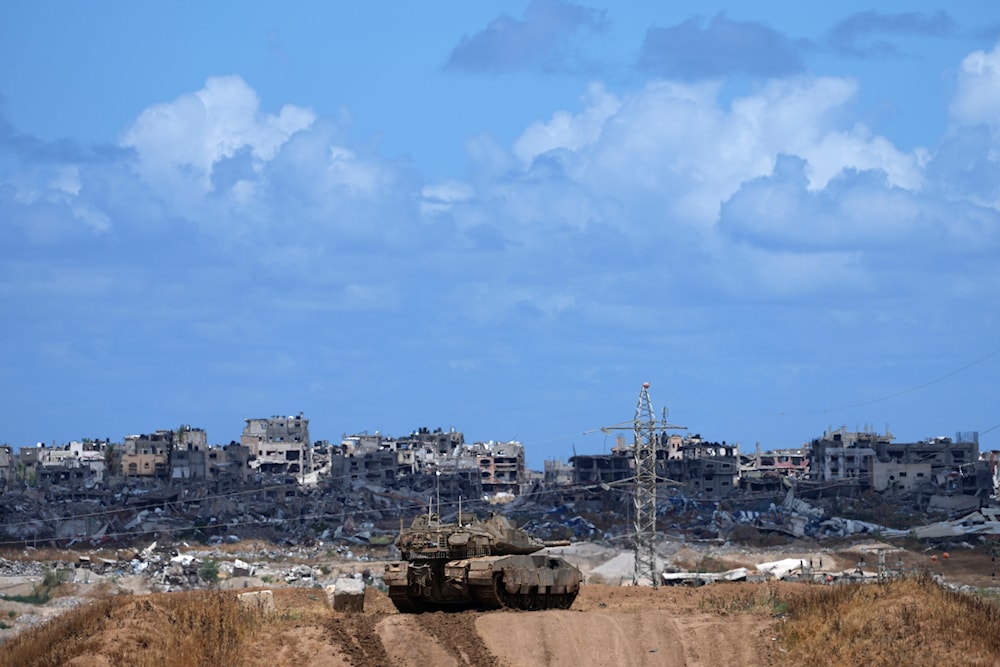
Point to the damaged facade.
(436, 459)
(279, 445)
(286, 485)
(938, 468)
(689, 462)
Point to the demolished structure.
(276, 483)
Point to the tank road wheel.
(507, 599)
(533, 600)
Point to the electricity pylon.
(645, 426)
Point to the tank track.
(498, 597)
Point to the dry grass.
(911, 621)
(168, 630)
(746, 598)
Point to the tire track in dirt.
(358, 640)
(457, 634)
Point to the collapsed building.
(709, 468)
(436, 459)
(7, 465)
(277, 483)
(773, 470)
(946, 472)
(690, 463)
(279, 445)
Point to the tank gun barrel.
(557, 543)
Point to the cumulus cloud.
(564, 130)
(858, 210)
(783, 171)
(540, 40)
(689, 51)
(854, 35)
(179, 142)
(977, 95)
(674, 148)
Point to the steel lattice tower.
(645, 427)
(645, 491)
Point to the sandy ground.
(608, 623)
(606, 626)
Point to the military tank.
(477, 564)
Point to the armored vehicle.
(473, 564)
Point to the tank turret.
(487, 564)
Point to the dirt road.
(607, 625)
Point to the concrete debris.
(702, 578)
(349, 594)
(257, 602)
(242, 568)
(985, 521)
(781, 569)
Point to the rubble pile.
(20, 568)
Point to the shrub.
(209, 571)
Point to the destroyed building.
(703, 468)
(501, 466)
(438, 459)
(603, 468)
(189, 455)
(377, 459)
(147, 455)
(698, 467)
(942, 465)
(557, 473)
(844, 456)
(8, 465)
(773, 470)
(943, 469)
(76, 464)
(279, 445)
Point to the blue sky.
(500, 217)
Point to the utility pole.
(645, 491)
(645, 426)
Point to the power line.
(901, 393)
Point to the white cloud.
(674, 146)
(440, 197)
(565, 130)
(178, 142)
(361, 177)
(977, 95)
(96, 219)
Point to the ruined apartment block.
(501, 466)
(705, 468)
(696, 466)
(946, 466)
(773, 470)
(436, 460)
(279, 445)
(942, 467)
(844, 456)
(78, 464)
(147, 455)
